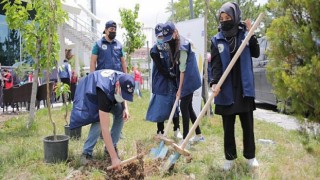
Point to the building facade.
(78, 33)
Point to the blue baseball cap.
(127, 86)
(158, 30)
(110, 24)
(167, 31)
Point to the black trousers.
(249, 147)
(160, 125)
(188, 113)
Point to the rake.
(180, 150)
(162, 150)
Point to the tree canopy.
(134, 37)
(294, 54)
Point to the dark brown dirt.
(138, 169)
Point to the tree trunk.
(34, 86)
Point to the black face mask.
(112, 35)
(227, 25)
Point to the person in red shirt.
(74, 81)
(138, 81)
(7, 79)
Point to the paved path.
(282, 120)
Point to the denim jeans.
(95, 130)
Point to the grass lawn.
(293, 156)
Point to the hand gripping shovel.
(162, 150)
(180, 149)
(139, 156)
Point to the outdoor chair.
(42, 94)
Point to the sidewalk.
(282, 120)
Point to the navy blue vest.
(192, 80)
(109, 55)
(225, 97)
(161, 84)
(85, 106)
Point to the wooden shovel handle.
(127, 161)
(173, 110)
(222, 79)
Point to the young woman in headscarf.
(236, 95)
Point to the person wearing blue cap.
(106, 54)
(100, 93)
(236, 95)
(164, 87)
(188, 76)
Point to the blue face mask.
(159, 41)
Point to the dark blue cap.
(127, 86)
(158, 29)
(110, 24)
(167, 31)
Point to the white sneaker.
(228, 164)
(177, 134)
(159, 135)
(253, 163)
(197, 138)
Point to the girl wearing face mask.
(164, 86)
(188, 77)
(236, 96)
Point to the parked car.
(263, 89)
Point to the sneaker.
(253, 163)
(177, 134)
(85, 159)
(159, 135)
(228, 164)
(197, 138)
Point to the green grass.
(294, 156)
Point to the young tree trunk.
(34, 86)
(205, 84)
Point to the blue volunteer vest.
(64, 71)
(85, 106)
(160, 84)
(109, 55)
(225, 97)
(192, 80)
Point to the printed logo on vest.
(107, 73)
(104, 47)
(220, 48)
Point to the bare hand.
(116, 163)
(178, 93)
(125, 115)
(214, 90)
(248, 24)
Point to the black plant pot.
(74, 133)
(56, 150)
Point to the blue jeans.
(95, 130)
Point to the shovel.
(180, 149)
(162, 150)
(139, 156)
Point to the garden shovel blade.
(159, 152)
(171, 161)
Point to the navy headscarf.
(233, 10)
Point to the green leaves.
(293, 51)
(134, 37)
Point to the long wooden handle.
(222, 79)
(127, 161)
(171, 116)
